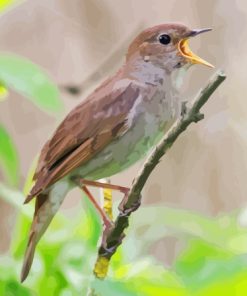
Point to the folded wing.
(87, 129)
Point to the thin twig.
(113, 238)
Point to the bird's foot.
(126, 211)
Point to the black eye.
(164, 39)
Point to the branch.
(113, 238)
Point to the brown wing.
(84, 132)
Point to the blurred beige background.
(206, 168)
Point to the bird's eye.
(164, 39)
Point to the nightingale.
(115, 126)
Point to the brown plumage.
(115, 126)
(143, 43)
(82, 134)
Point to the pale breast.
(150, 117)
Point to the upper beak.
(185, 51)
(198, 31)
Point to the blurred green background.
(208, 248)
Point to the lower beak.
(185, 51)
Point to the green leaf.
(12, 287)
(11, 196)
(111, 288)
(150, 278)
(20, 232)
(143, 279)
(235, 285)
(222, 231)
(204, 265)
(9, 283)
(15, 198)
(91, 228)
(3, 91)
(9, 162)
(5, 4)
(29, 178)
(20, 236)
(31, 81)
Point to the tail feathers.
(28, 260)
(46, 206)
(42, 218)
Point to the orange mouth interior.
(186, 52)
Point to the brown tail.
(42, 217)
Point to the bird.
(115, 126)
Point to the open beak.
(185, 51)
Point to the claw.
(134, 207)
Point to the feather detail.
(96, 122)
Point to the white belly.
(152, 119)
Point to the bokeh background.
(190, 236)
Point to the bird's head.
(166, 46)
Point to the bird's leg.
(83, 182)
(107, 222)
(104, 185)
(122, 189)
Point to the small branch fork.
(113, 236)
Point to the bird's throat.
(147, 72)
(178, 75)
